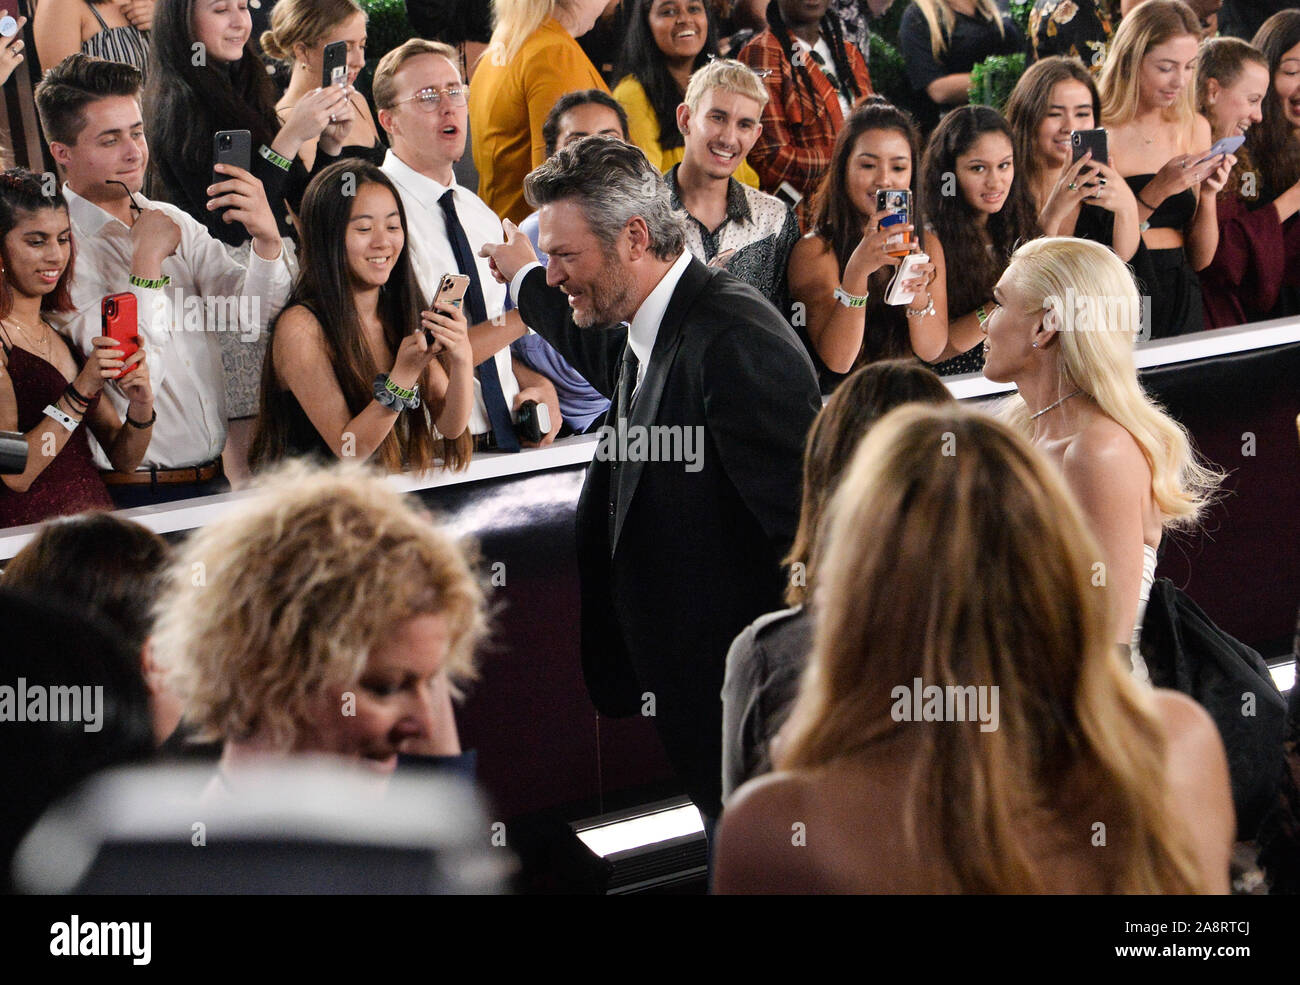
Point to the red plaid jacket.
(798, 129)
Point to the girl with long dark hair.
(666, 41)
(1274, 144)
(1083, 198)
(204, 76)
(352, 357)
(46, 391)
(977, 211)
(845, 256)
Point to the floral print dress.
(1081, 28)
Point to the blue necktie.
(499, 415)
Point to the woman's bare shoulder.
(759, 846)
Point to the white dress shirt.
(208, 293)
(644, 327)
(432, 256)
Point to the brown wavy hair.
(997, 594)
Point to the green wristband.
(280, 162)
(162, 281)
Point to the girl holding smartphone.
(355, 369)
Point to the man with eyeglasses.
(421, 103)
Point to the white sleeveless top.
(1144, 593)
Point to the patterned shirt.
(799, 127)
(752, 243)
(1081, 28)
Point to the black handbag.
(1184, 650)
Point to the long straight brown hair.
(955, 554)
(324, 287)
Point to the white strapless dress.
(1144, 593)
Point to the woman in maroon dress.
(36, 365)
(1259, 239)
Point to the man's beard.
(609, 296)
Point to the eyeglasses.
(762, 73)
(429, 99)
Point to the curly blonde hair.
(285, 596)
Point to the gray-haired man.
(694, 494)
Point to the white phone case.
(906, 271)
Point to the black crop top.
(1175, 212)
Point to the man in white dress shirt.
(422, 104)
(187, 287)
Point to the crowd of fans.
(290, 307)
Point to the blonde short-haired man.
(731, 225)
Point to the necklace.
(32, 335)
(1034, 417)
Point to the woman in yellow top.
(532, 61)
(666, 41)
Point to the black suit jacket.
(695, 555)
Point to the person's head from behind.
(90, 113)
(300, 30)
(1232, 82)
(585, 113)
(1054, 97)
(353, 236)
(109, 569)
(857, 403)
(329, 606)
(422, 103)
(719, 118)
(1011, 566)
(36, 247)
(878, 148)
(93, 708)
(607, 222)
(1151, 64)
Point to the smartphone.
(118, 321)
(234, 147)
(899, 203)
(906, 271)
(335, 71)
(451, 289)
(1082, 141)
(1228, 145)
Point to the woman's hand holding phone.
(445, 329)
(871, 252)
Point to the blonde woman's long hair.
(938, 16)
(1149, 24)
(1097, 358)
(514, 21)
(955, 554)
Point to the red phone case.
(120, 323)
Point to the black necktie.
(493, 397)
(622, 407)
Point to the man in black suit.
(676, 556)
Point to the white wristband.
(54, 413)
